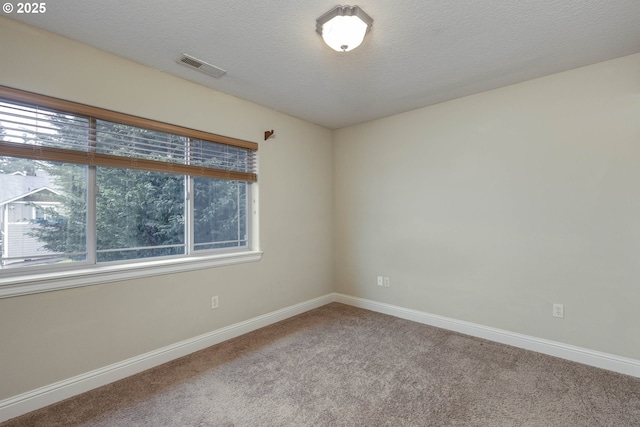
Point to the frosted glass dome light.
(344, 27)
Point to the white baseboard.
(41, 397)
(565, 351)
(44, 396)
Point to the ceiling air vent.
(200, 65)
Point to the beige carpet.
(343, 366)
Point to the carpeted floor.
(343, 366)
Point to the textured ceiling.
(419, 52)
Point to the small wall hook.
(268, 134)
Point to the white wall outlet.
(558, 310)
(387, 282)
(214, 303)
(380, 281)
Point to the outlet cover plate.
(558, 310)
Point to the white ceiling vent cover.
(200, 65)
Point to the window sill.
(45, 282)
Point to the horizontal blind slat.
(36, 129)
(113, 116)
(54, 154)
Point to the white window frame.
(23, 281)
(30, 282)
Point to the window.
(81, 186)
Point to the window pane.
(220, 156)
(220, 213)
(139, 214)
(43, 212)
(39, 126)
(47, 199)
(131, 141)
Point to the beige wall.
(492, 207)
(52, 336)
(487, 209)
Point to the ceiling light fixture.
(343, 28)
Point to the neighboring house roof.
(15, 187)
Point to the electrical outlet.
(558, 310)
(387, 282)
(214, 303)
(380, 281)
